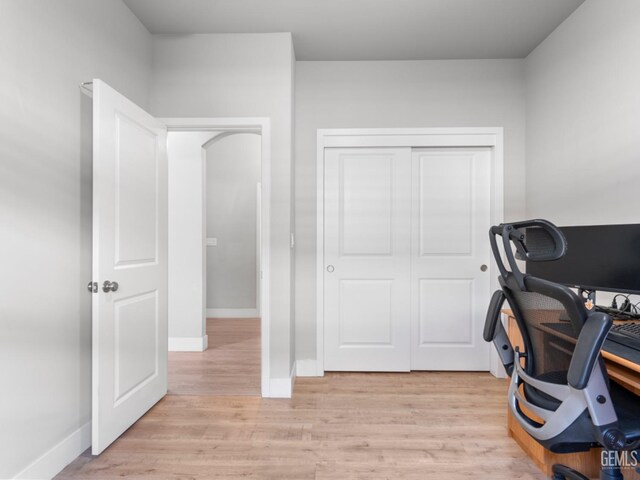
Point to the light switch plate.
(212, 242)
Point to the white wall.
(186, 157)
(583, 117)
(240, 76)
(46, 50)
(455, 93)
(233, 172)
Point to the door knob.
(330, 269)
(108, 286)
(483, 268)
(92, 287)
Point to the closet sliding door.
(450, 284)
(406, 245)
(367, 254)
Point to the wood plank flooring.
(230, 366)
(419, 425)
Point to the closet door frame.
(492, 137)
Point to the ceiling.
(371, 29)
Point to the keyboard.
(627, 334)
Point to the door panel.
(448, 300)
(367, 249)
(366, 192)
(136, 166)
(445, 204)
(451, 218)
(130, 248)
(365, 315)
(135, 348)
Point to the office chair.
(559, 391)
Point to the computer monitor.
(599, 257)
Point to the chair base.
(611, 473)
(562, 472)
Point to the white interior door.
(450, 244)
(367, 253)
(129, 248)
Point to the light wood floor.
(230, 366)
(420, 425)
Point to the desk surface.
(610, 350)
(615, 352)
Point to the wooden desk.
(620, 370)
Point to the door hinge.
(92, 287)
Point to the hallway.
(230, 366)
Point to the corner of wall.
(283, 387)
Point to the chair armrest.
(592, 336)
(494, 331)
(493, 315)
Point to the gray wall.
(233, 170)
(230, 75)
(455, 93)
(583, 117)
(46, 50)
(187, 269)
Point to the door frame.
(492, 137)
(261, 126)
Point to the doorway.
(218, 244)
(232, 205)
(148, 255)
(230, 365)
(403, 254)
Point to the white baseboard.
(53, 461)
(232, 313)
(283, 387)
(188, 344)
(307, 367)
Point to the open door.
(129, 264)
